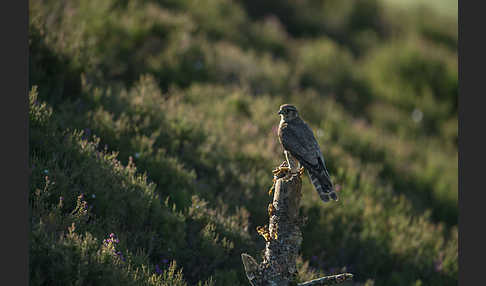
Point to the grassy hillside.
(153, 136)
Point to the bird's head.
(288, 112)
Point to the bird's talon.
(301, 171)
(284, 169)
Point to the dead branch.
(283, 237)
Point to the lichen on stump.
(283, 237)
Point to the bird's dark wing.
(299, 140)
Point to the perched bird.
(301, 148)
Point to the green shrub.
(414, 75)
(156, 121)
(73, 181)
(323, 65)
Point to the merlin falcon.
(301, 149)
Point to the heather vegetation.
(152, 129)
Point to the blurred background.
(153, 136)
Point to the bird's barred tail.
(323, 186)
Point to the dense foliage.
(153, 136)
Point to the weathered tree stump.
(283, 238)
